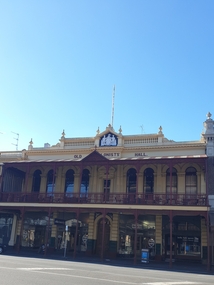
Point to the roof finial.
(63, 134)
(120, 130)
(160, 130)
(209, 115)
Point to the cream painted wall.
(118, 180)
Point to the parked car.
(2, 248)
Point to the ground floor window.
(6, 221)
(34, 229)
(69, 237)
(186, 237)
(145, 234)
(188, 245)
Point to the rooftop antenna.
(17, 140)
(142, 129)
(112, 111)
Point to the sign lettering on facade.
(77, 156)
(111, 154)
(140, 154)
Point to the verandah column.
(27, 179)
(47, 230)
(80, 181)
(135, 237)
(21, 229)
(170, 171)
(76, 232)
(171, 224)
(137, 183)
(208, 241)
(106, 184)
(103, 234)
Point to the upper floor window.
(174, 180)
(148, 180)
(14, 180)
(85, 183)
(131, 180)
(106, 187)
(69, 181)
(50, 181)
(36, 181)
(191, 180)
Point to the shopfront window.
(186, 236)
(6, 221)
(82, 232)
(34, 229)
(145, 234)
(188, 245)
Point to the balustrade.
(111, 198)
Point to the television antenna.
(142, 129)
(17, 140)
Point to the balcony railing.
(108, 198)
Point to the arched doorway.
(100, 237)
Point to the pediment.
(109, 129)
(108, 138)
(94, 156)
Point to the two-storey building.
(117, 194)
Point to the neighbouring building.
(112, 195)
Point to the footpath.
(183, 266)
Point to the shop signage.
(190, 239)
(59, 222)
(77, 156)
(111, 154)
(139, 226)
(151, 242)
(145, 255)
(140, 154)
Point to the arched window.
(84, 183)
(191, 180)
(36, 181)
(174, 181)
(148, 180)
(50, 181)
(131, 180)
(69, 181)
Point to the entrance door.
(100, 236)
(39, 237)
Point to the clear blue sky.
(59, 61)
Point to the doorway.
(100, 237)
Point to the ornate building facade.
(111, 196)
